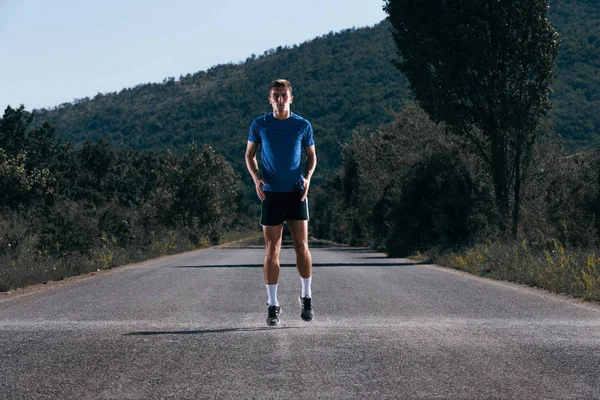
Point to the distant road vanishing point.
(192, 326)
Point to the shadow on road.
(315, 265)
(381, 257)
(353, 249)
(200, 332)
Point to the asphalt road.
(193, 326)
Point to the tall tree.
(13, 130)
(484, 68)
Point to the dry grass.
(570, 271)
(27, 266)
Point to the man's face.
(280, 99)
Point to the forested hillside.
(576, 89)
(341, 81)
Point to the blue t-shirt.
(281, 143)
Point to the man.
(283, 190)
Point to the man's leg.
(271, 265)
(272, 218)
(299, 231)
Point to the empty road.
(192, 326)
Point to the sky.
(53, 52)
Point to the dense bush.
(73, 209)
(199, 193)
(572, 200)
(409, 186)
(412, 186)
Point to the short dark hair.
(280, 83)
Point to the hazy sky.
(53, 51)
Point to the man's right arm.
(252, 165)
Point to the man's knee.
(302, 251)
(272, 258)
(273, 247)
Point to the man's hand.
(252, 166)
(306, 184)
(259, 188)
(311, 164)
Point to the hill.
(576, 88)
(342, 81)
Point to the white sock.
(306, 286)
(272, 293)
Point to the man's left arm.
(311, 164)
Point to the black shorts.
(278, 207)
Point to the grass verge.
(575, 272)
(27, 266)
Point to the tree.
(484, 68)
(17, 183)
(42, 147)
(198, 192)
(13, 130)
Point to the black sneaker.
(307, 309)
(273, 317)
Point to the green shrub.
(408, 186)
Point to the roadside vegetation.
(66, 211)
(472, 175)
(341, 81)
(572, 270)
(462, 154)
(413, 189)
